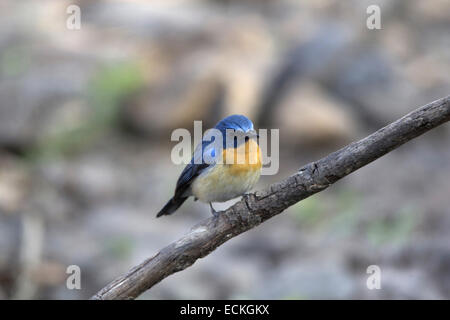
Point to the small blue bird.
(219, 180)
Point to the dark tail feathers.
(171, 206)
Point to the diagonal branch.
(256, 208)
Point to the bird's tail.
(172, 205)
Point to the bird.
(219, 180)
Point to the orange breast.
(244, 158)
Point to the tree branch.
(256, 208)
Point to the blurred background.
(85, 123)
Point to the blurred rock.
(68, 116)
(246, 53)
(14, 185)
(49, 273)
(308, 282)
(361, 75)
(433, 77)
(308, 58)
(307, 115)
(28, 98)
(438, 12)
(154, 111)
(88, 181)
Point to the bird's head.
(235, 127)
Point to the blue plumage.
(236, 122)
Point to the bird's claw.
(216, 215)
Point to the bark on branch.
(256, 208)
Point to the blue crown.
(236, 122)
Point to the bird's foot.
(215, 213)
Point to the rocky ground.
(86, 118)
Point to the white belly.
(221, 183)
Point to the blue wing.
(194, 168)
